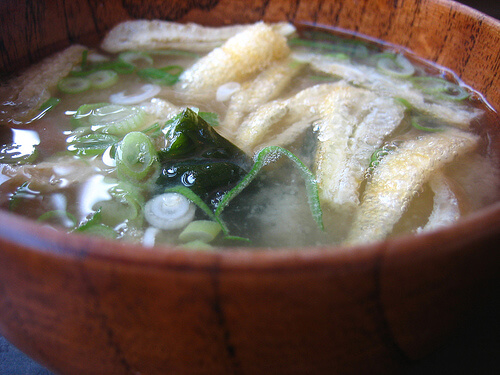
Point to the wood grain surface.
(83, 305)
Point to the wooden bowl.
(83, 305)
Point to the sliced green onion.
(440, 88)
(109, 118)
(426, 124)
(200, 230)
(136, 158)
(132, 57)
(376, 156)
(15, 153)
(49, 104)
(237, 239)
(91, 144)
(338, 56)
(103, 78)
(73, 85)
(80, 117)
(22, 192)
(189, 194)
(166, 76)
(145, 92)
(93, 226)
(405, 102)
(396, 66)
(265, 156)
(125, 204)
(153, 130)
(119, 66)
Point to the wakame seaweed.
(197, 157)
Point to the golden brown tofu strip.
(353, 124)
(267, 86)
(399, 175)
(280, 115)
(157, 34)
(446, 207)
(243, 55)
(27, 92)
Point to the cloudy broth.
(55, 169)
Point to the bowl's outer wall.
(91, 306)
(366, 310)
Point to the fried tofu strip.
(300, 109)
(27, 92)
(243, 55)
(452, 113)
(446, 208)
(267, 86)
(399, 175)
(157, 34)
(160, 109)
(354, 123)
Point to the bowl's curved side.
(361, 310)
(79, 314)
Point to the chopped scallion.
(425, 124)
(396, 66)
(189, 194)
(136, 159)
(15, 153)
(200, 230)
(135, 57)
(146, 92)
(73, 85)
(103, 78)
(108, 118)
(166, 76)
(90, 144)
(49, 104)
(93, 226)
(22, 192)
(125, 204)
(440, 88)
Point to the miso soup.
(251, 135)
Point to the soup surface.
(260, 135)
